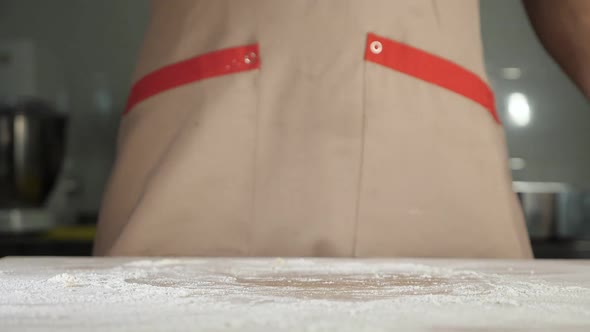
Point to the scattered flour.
(154, 263)
(288, 295)
(66, 279)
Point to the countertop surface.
(275, 294)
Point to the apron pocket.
(218, 63)
(430, 68)
(190, 155)
(433, 176)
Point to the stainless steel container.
(555, 211)
(32, 145)
(575, 216)
(541, 204)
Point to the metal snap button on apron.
(376, 47)
(250, 58)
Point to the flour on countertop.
(287, 294)
(66, 279)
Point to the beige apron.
(284, 136)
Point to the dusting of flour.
(290, 295)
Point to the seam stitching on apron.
(436, 11)
(258, 78)
(254, 213)
(362, 161)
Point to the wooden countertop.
(97, 294)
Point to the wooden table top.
(275, 294)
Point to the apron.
(354, 128)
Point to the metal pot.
(32, 145)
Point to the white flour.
(297, 294)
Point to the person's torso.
(359, 130)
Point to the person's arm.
(563, 26)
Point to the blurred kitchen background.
(65, 69)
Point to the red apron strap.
(430, 68)
(217, 63)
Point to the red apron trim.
(430, 68)
(217, 63)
